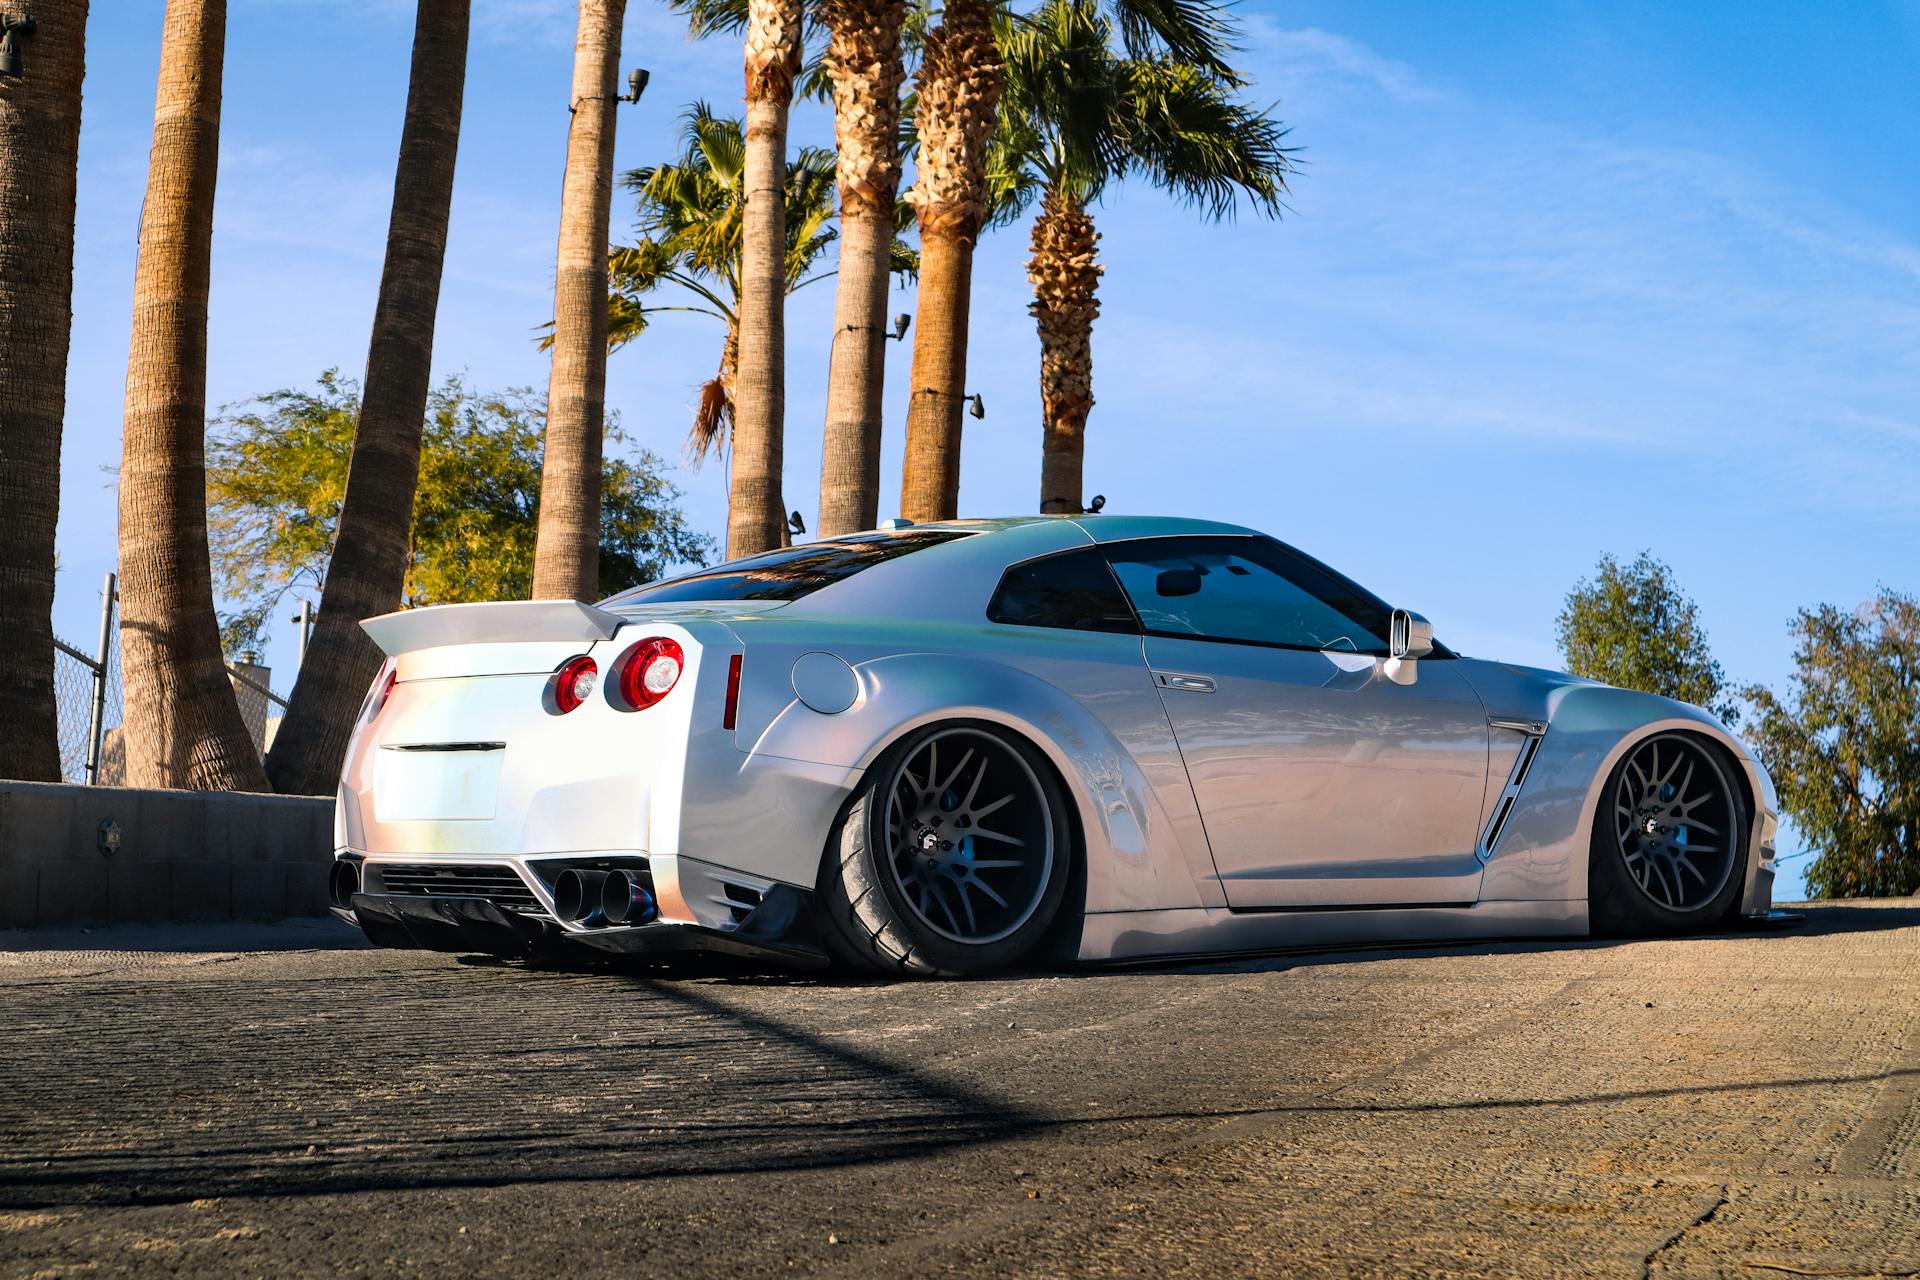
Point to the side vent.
(740, 900)
(1509, 794)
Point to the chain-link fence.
(88, 694)
(77, 683)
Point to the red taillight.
(382, 690)
(573, 683)
(649, 671)
(733, 693)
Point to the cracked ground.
(282, 1101)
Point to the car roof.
(1098, 528)
(952, 580)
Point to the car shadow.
(405, 1099)
(448, 1078)
(1806, 920)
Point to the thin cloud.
(1300, 53)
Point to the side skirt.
(1208, 931)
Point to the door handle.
(1191, 684)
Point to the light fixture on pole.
(636, 85)
(976, 403)
(13, 29)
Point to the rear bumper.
(469, 924)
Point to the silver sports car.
(954, 748)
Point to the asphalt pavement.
(275, 1101)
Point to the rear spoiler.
(504, 622)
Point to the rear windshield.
(786, 574)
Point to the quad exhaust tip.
(596, 899)
(343, 881)
(624, 900)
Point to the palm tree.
(183, 727)
(756, 511)
(567, 552)
(960, 82)
(39, 156)
(865, 65)
(367, 571)
(1075, 116)
(691, 216)
(959, 89)
(862, 70)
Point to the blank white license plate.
(435, 786)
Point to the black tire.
(897, 897)
(1669, 796)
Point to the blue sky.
(1557, 279)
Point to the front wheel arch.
(1617, 907)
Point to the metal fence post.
(305, 619)
(97, 718)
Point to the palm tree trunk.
(864, 62)
(39, 156)
(183, 727)
(930, 479)
(367, 572)
(856, 375)
(566, 560)
(960, 81)
(756, 513)
(1066, 280)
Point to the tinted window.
(1248, 589)
(1075, 591)
(786, 574)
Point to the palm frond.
(903, 260)
(1200, 33)
(1077, 114)
(712, 422)
(1188, 134)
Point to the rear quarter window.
(1075, 591)
(789, 573)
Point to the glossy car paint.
(1324, 784)
(1373, 793)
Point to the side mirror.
(1411, 640)
(1177, 582)
(1412, 635)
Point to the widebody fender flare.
(1120, 817)
(1544, 849)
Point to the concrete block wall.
(183, 855)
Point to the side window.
(1074, 592)
(1250, 590)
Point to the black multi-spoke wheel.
(1669, 840)
(952, 857)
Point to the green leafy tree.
(1843, 745)
(1631, 625)
(277, 472)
